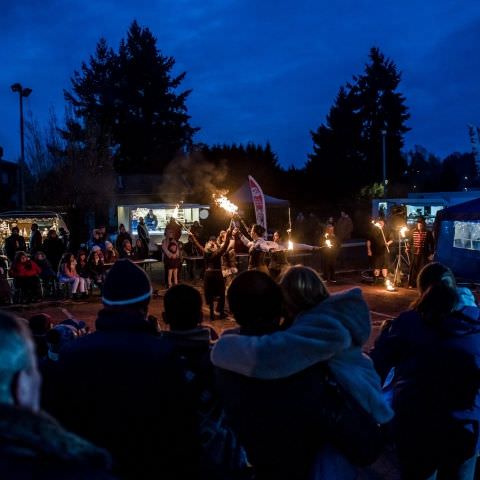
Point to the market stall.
(157, 216)
(23, 220)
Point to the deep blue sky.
(260, 69)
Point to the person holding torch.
(378, 249)
(330, 244)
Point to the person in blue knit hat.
(124, 388)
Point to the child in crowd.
(26, 276)
(140, 252)
(82, 268)
(126, 251)
(171, 260)
(67, 273)
(47, 274)
(96, 267)
(111, 254)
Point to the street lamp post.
(22, 93)
(384, 161)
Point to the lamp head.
(26, 92)
(16, 87)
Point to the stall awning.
(243, 195)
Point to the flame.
(389, 285)
(328, 243)
(290, 245)
(403, 231)
(223, 202)
(377, 224)
(175, 211)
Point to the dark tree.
(381, 108)
(333, 169)
(347, 148)
(131, 98)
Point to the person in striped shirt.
(421, 247)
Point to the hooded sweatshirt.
(333, 331)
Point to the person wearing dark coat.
(35, 240)
(213, 280)
(32, 444)
(330, 249)
(123, 388)
(121, 237)
(142, 232)
(54, 248)
(14, 243)
(435, 351)
(281, 428)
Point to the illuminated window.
(467, 235)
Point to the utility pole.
(22, 93)
(384, 160)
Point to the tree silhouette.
(347, 148)
(131, 98)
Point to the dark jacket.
(121, 238)
(142, 233)
(122, 388)
(14, 244)
(437, 369)
(35, 446)
(53, 248)
(281, 423)
(36, 241)
(46, 269)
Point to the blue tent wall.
(463, 262)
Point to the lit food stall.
(157, 215)
(23, 220)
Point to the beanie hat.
(96, 248)
(126, 284)
(40, 323)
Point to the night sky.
(260, 69)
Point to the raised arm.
(193, 238)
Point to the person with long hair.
(26, 275)
(111, 254)
(96, 267)
(434, 349)
(127, 250)
(121, 237)
(262, 369)
(82, 267)
(67, 273)
(213, 280)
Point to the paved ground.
(383, 305)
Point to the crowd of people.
(40, 267)
(287, 394)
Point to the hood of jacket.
(336, 324)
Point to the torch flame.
(223, 202)
(389, 285)
(403, 231)
(328, 243)
(290, 245)
(175, 211)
